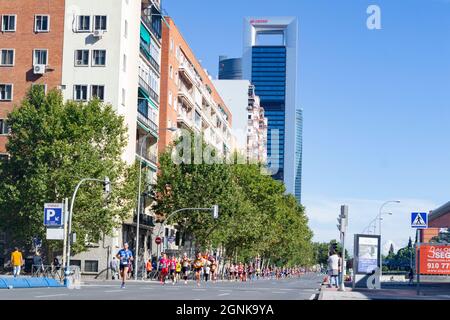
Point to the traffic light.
(106, 187)
(342, 220)
(215, 210)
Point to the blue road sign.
(419, 220)
(53, 214)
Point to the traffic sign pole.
(65, 215)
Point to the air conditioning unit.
(98, 33)
(39, 69)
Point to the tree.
(52, 146)
(391, 248)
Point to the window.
(80, 92)
(40, 85)
(171, 44)
(6, 57)
(84, 23)
(9, 23)
(170, 98)
(123, 96)
(99, 58)
(81, 58)
(75, 263)
(41, 23)
(4, 128)
(40, 56)
(171, 72)
(125, 33)
(124, 63)
(98, 92)
(91, 266)
(100, 23)
(6, 92)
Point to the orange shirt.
(16, 258)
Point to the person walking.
(333, 269)
(148, 267)
(125, 257)
(38, 266)
(16, 261)
(114, 268)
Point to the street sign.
(55, 234)
(37, 242)
(171, 239)
(53, 214)
(419, 220)
(157, 240)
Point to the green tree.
(52, 146)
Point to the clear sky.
(376, 102)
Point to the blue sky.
(376, 102)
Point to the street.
(303, 288)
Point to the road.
(303, 288)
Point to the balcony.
(144, 219)
(149, 91)
(151, 17)
(146, 53)
(148, 123)
(187, 73)
(186, 98)
(184, 118)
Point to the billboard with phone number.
(434, 259)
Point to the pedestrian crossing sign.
(419, 220)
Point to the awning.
(145, 35)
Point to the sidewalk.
(394, 293)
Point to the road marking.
(312, 297)
(111, 291)
(279, 292)
(249, 291)
(223, 294)
(226, 290)
(52, 295)
(287, 289)
(198, 289)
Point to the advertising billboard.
(434, 259)
(366, 253)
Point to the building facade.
(298, 153)
(270, 62)
(31, 46)
(230, 68)
(189, 99)
(249, 122)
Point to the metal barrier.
(47, 271)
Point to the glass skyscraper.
(270, 62)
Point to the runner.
(198, 265)
(125, 257)
(240, 271)
(164, 264)
(178, 269)
(206, 269)
(186, 263)
(213, 270)
(173, 268)
(231, 272)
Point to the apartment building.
(31, 45)
(189, 99)
(249, 121)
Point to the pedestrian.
(56, 264)
(206, 270)
(38, 266)
(16, 261)
(411, 276)
(173, 269)
(148, 267)
(114, 268)
(178, 269)
(333, 269)
(125, 257)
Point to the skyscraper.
(298, 153)
(270, 63)
(230, 68)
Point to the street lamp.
(172, 129)
(379, 217)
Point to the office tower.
(298, 154)
(270, 63)
(249, 122)
(230, 68)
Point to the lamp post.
(379, 217)
(139, 200)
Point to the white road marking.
(279, 292)
(198, 289)
(52, 295)
(223, 294)
(312, 297)
(111, 291)
(226, 290)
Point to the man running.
(186, 263)
(125, 257)
(164, 264)
(173, 268)
(198, 265)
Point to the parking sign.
(53, 214)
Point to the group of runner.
(205, 267)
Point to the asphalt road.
(303, 288)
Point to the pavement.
(306, 287)
(388, 292)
